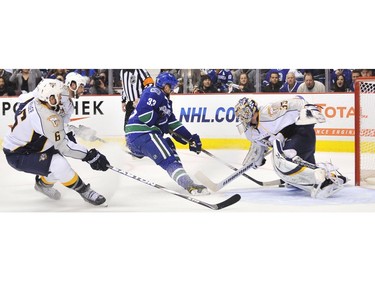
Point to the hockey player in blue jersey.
(152, 118)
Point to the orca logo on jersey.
(165, 110)
(54, 120)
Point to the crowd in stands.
(13, 82)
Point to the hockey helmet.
(50, 87)
(245, 109)
(165, 78)
(78, 79)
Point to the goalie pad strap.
(294, 174)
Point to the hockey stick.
(278, 182)
(230, 201)
(261, 183)
(217, 186)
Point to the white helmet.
(50, 87)
(77, 78)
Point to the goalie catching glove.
(96, 160)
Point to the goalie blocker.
(321, 180)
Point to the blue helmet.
(165, 78)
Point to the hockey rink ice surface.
(125, 194)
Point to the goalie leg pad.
(321, 180)
(293, 174)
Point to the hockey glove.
(96, 160)
(195, 144)
(309, 115)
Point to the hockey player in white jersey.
(287, 126)
(38, 144)
(75, 87)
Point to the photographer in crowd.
(99, 84)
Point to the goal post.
(364, 141)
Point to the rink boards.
(209, 115)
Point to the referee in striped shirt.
(133, 83)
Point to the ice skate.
(91, 196)
(46, 189)
(197, 189)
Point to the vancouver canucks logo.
(165, 110)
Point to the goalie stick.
(217, 186)
(228, 202)
(278, 182)
(261, 183)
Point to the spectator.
(274, 83)
(310, 85)
(6, 75)
(5, 89)
(238, 72)
(356, 73)
(221, 78)
(298, 73)
(99, 84)
(282, 75)
(366, 72)
(244, 85)
(336, 72)
(340, 84)
(318, 74)
(205, 85)
(54, 73)
(291, 84)
(88, 74)
(25, 79)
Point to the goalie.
(287, 126)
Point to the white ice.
(125, 194)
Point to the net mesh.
(367, 129)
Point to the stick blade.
(230, 201)
(207, 182)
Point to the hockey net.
(365, 130)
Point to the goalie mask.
(245, 109)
